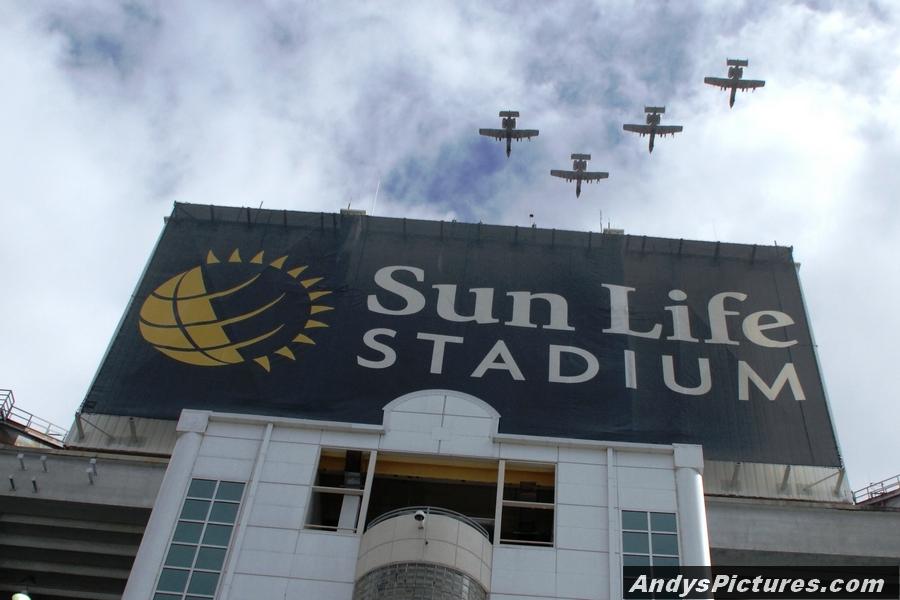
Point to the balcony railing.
(880, 488)
(13, 414)
(429, 510)
(6, 403)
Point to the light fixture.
(23, 594)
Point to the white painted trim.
(689, 456)
(291, 422)
(498, 508)
(309, 493)
(366, 428)
(488, 409)
(246, 508)
(535, 440)
(614, 529)
(535, 505)
(693, 532)
(367, 493)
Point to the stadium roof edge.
(481, 232)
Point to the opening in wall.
(528, 504)
(337, 493)
(466, 486)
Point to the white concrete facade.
(272, 554)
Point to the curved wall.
(417, 581)
(443, 541)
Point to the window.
(337, 493)
(197, 552)
(528, 503)
(464, 485)
(649, 539)
(520, 510)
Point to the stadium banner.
(566, 334)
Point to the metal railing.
(429, 510)
(6, 403)
(879, 488)
(13, 414)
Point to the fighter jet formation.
(652, 127)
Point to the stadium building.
(339, 406)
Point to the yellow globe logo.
(225, 313)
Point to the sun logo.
(225, 313)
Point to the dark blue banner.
(570, 334)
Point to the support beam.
(691, 505)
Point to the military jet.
(578, 173)
(734, 81)
(509, 131)
(653, 128)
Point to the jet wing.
(593, 175)
(668, 129)
(567, 175)
(741, 84)
(583, 175)
(524, 134)
(641, 129)
(494, 133)
(721, 82)
(749, 84)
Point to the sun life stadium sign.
(754, 326)
(180, 320)
(607, 337)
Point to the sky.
(112, 111)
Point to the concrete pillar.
(691, 506)
(155, 543)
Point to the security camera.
(419, 516)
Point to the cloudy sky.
(111, 111)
